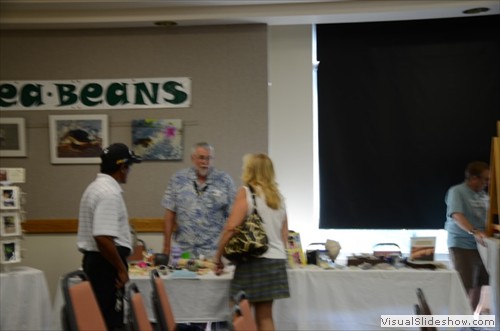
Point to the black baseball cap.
(119, 153)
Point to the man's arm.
(169, 227)
(465, 225)
(108, 249)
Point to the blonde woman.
(263, 279)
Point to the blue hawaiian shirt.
(201, 212)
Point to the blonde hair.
(258, 171)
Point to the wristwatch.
(472, 232)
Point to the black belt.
(122, 250)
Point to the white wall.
(291, 120)
(292, 146)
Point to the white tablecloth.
(24, 300)
(355, 299)
(203, 299)
(324, 299)
(320, 299)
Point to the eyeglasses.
(204, 158)
(483, 178)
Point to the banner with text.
(96, 94)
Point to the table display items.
(333, 248)
(382, 253)
(314, 251)
(389, 256)
(385, 256)
(11, 216)
(323, 254)
(422, 248)
(160, 259)
(296, 257)
(179, 263)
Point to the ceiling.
(68, 14)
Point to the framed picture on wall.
(10, 251)
(77, 138)
(9, 198)
(12, 137)
(10, 224)
(157, 139)
(12, 175)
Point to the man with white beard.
(197, 202)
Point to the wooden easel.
(492, 241)
(492, 224)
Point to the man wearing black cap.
(104, 233)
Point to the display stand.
(11, 217)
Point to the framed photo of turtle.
(77, 138)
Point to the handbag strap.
(255, 212)
(253, 198)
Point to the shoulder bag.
(250, 239)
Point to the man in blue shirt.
(467, 204)
(197, 202)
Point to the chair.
(423, 302)
(423, 309)
(80, 311)
(418, 311)
(161, 304)
(243, 319)
(137, 316)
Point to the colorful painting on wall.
(157, 139)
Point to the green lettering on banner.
(66, 94)
(31, 95)
(117, 94)
(179, 96)
(102, 94)
(8, 94)
(89, 93)
(141, 89)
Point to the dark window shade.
(402, 108)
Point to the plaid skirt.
(261, 279)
